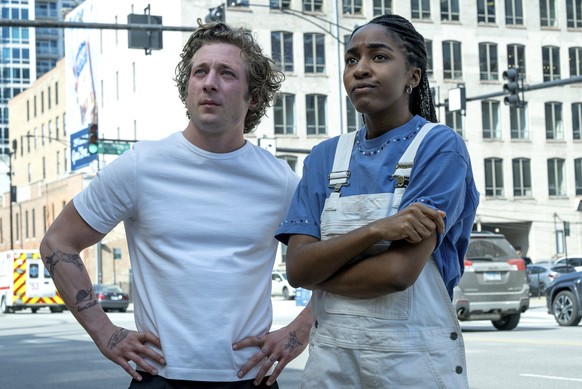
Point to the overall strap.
(404, 165)
(339, 173)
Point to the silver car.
(494, 285)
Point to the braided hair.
(420, 102)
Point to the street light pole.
(12, 191)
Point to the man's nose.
(210, 81)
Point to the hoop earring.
(408, 89)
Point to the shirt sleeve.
(303, 217)
(109, 197)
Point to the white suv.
(494, 285)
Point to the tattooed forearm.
(58, 256)
(293, 342)
(117, 337)
(84, 300)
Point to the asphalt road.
(44, 350)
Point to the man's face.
(218, 97)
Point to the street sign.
(112, 147)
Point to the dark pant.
(157, 382)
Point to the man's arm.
(281, 346)
(68, 235)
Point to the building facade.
(527, 158)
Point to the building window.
(282, 49)
(312, 5)
(452, 63)
(354, 118)
(429, 59)
(486, 11)
(556, 181)
(493, 177)
(314, 48)
(315, 106)
(548, 13)
(518, 123)
(551, 63)
(352, 7)
(488, 64)
(450, 11)
(516, 57)
(280, 4)
(291, 161)
(574, 13)
(49, 97)
(513, 12)
(57, 93)
(576, 120)
(575, 59)
(33, 224)
(284, 113)
(382, 7)
(490, 118)
(554, 123)
(420, 9)
(578, 176)
(455, 121)
(521, 177)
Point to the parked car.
(111, 297)
(280, 286)
(541, 274)
(564, 299)
(494, 285)
(572, 260)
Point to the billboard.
(80, 156)
(80, 79)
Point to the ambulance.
(26, 283)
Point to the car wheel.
(56, 309)
(4, 307)
(565, 309)
(123, 310)
(507, 323)
(285, 293)
(542, 288)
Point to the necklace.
(383, 145)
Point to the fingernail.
(240, 374)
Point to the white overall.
(409, 339)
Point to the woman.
(383, 281)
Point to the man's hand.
(124, 345)
(278, 347)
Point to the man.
(200, 209)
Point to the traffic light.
(512, 87)
(215, 14)
(93, 139)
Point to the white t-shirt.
(200, 229)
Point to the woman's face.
(376, 72)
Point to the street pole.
(10, 152)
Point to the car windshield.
(490, 249)
(108, 289)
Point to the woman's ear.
(415, 76)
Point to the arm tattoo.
(293, 342)
(85, 300)
(59, 256)
(117, 337)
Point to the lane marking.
(549, 377)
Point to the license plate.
(492, 276)
(115, 297)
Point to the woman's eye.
(198, 71)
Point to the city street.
(45, 350)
